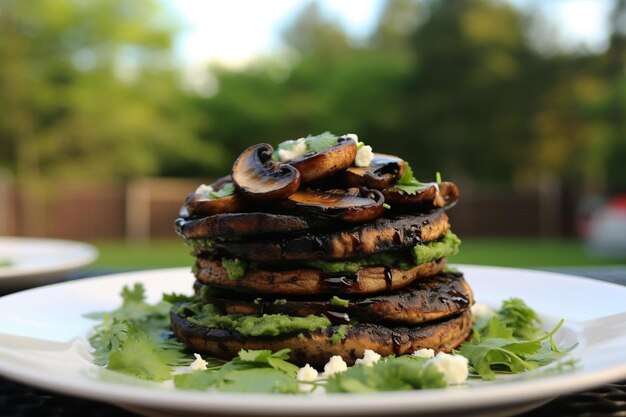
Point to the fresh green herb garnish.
(392, 374)
(387, 206)
(438, 177)
(521, 319)
(502, 346)
(135, 339)
(408, 183)
(313, 144)
(320, 142)
(258, 371)
(225, 191)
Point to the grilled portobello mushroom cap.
(317, 347)
(310, 281)
(383, 234)
(426, 299)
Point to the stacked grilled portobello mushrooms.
(326, 249)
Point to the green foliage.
(523, 320)
(135, 338)
(91, 90)
(408, 183)
(511, 342)
(258, 371)
(225, 191)
(391, 374)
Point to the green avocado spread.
(446, 246)
(207, 315)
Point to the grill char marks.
(423, 300)
(307, 281)
(381, 235)
(278, 240)
(316, 347)
(236, 225)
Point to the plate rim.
(85, 253)
(499, 393)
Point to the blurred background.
(112, 111)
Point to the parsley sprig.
(135, 338)
(511, 342)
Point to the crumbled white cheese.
(424, 353)
(335, 365)
(307, 374)
(480, 311)
(204, 189)
(352, 136)
(294, 150)
(364, 156)
(199, 364)
(453, 367)
(369, 358)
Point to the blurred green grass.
(529, 253)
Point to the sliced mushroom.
(327, 162)
(383, 172)
(444, 194)
(353, 205)
(259, 178)
(199, 205)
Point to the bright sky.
(235, 31)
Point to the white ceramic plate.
(42, 343)
(27, 262)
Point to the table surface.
(17, 400)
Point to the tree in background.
(88, 90)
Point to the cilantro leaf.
(523, 320)
(250, 371)
(108, 337)
(136, 338)
(408, 183)
(312, 144)
(320, 142)
(225, 191)
(142, 356)
(495, 348)
(259, 380)
(136, 294)
(390, 374)
(199, 381)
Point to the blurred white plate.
(28, 262)
(43, 331)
